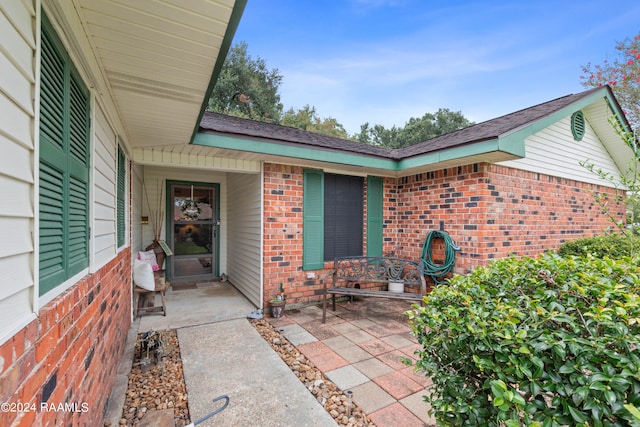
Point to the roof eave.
(234, 21)
(531, 128)
(490, 150)
(266, 147)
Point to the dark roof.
(484, 131)
(494, 128)
(283, 134)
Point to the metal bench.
(350, 273)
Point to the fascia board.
(232, 26)
(484, 147)
(305, 153)
(532, 128)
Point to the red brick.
(46, 343)
(56, 329)
(471, 195)
(6, 356)
(26, 419)
(32, 385)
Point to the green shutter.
(64, 166)
(52, 234)
(375, 209)
(52, 71)
(313, 220)
(122, 172)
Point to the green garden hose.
(437, 272)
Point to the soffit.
(157, 58)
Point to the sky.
(385, 61)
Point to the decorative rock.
(326, 392)
(157, 388)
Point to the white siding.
(191, 156)
(104, 154)
(554, 152)
(17, 170)
(244, 244)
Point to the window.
(343, 216)
(333, 217)
(64, 166)
(120, 197)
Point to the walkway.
(360, 348)
(223, 354)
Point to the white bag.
(150, 258)
(143, 275)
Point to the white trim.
(261, 249)
(92, 179)
(17, 327)
(36, 163)
(62, 288)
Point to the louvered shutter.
(120, 195)
(64, 166)
(78, 168)
(312, 219)
(375, 194)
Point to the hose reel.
(438, 272)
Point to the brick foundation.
(64, 363)
(490, 211)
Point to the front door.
(193, 228)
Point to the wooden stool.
(160, 288)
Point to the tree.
(307, 119)
(377, 135)
(623, 75)
(415, 130)
(431, 125)
(247, 88)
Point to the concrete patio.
(359, 348)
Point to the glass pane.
(192, 239)
(192, 266)
(192, 204)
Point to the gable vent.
(577, 125)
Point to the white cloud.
(401, 59)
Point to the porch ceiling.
(158, 59)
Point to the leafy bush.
(614, 246)
(549, 341)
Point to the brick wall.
(490, 211)
(283, 187)
(494, 211)
(69, 355)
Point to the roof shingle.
(491, 129)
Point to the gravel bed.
(161, 386)
(157, 386)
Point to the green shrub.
(614, 246)
(549, 341)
